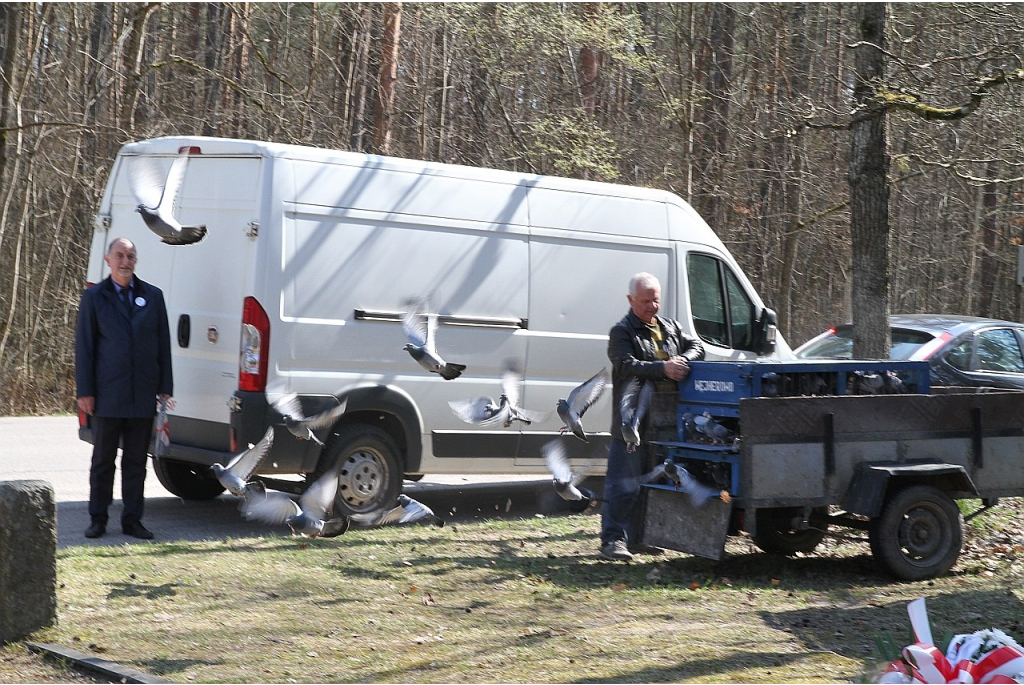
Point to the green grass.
(510, 601)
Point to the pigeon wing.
(413, 510)
(268, 507)
(318, 499)
(430, 343)
(512, 382)
(588, 392)
(476, 411)
(146, 181)
(557, 461)
(643, 401)
(415, 326)
(629, 401)
(532, 415)
(289, 406)
(327, 418)
(244, 464)
(172, 187)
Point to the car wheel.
(370, 475)
(187, 480)
(918, 535)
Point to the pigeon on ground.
(565, 480)
(707, 425)
(485, 411)
(406, 510)
(302, 427)
(699, 493)
(235, 476)
(420, 330)
(157, 196)
(309, 516)
(571, 410)
(633, 406)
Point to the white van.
(304, 274)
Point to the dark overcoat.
(123, 359)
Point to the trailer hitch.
(986, 504)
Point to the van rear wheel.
(370, 472)
(187, 480)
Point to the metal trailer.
(838, 443)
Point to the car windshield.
(840, 345)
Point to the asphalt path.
(47, 448)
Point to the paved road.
(47, 448)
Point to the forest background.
(744, 110)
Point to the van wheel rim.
(362, 479)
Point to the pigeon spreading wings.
(565, 480)
(157, 195)
(484, 411)
(580, 399)
(235, 476)
(309, 516)
(406, 510)
(302, 426)
(420, 331)
(633, 406)
(698, 493)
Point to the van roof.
(230, 147)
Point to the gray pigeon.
(698, 492)
(302, 427)
(633, 406)
(689, 427)
(157, 196)
(235, 476)
(407, 510)
(420, 329)
(485, 411)
(309, 516)
(707, 425)
(571, 410)
(565, 480)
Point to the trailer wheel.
(918, 534)
(775, 530)
(371, 475)
(186, 479)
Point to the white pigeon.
(633, 406)
(421, 332)
(485, 411)
(301, 426)
(565, 480)
(698, 492)
(157, 195)
(406, 510)
(235, 476)
(310, 516)
(571, 409)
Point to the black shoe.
(137, 530)
(95, 529)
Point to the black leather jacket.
(631, 351)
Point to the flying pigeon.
(565, 480)
(302, 427)
(235, 476)
(407, 510)
(485, 411)
(571, 410)
(707, 425)
(636, 399)
(157, 196)
(420, 329)
(698, 492)
(309, 516)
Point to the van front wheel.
(370, 476)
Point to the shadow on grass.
(168, 667)
(142, 590)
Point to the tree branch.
(913, 104)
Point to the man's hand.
(677, 369)
(86, 405)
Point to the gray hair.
(643, 280)
(120, 240)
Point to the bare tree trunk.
(869, 192)
(388, 75)
(589, 64)
(360, 77)
(989, 237)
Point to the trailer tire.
(774, 531)
(371, 473)
(186, 479)
(918, 534)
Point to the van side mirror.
(765, 332)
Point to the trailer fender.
(872, 482)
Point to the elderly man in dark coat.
(122, 364)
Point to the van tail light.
(253, 347)
(931, 347)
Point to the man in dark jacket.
(649, 347)
(122, 363)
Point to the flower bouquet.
(985, 656)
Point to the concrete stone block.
(28, 558)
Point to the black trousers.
(133, 435)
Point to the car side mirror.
(766, 331)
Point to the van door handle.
(184, 330)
